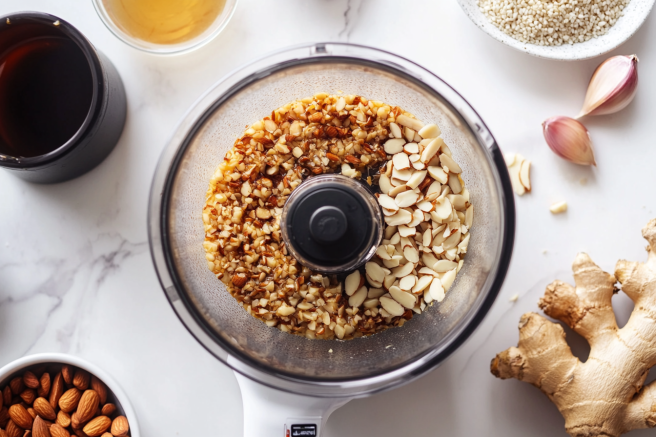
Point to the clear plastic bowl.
(168, 49)
(292, 363)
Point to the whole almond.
(56, 430)
(13, 430)
(28, 395)
(16, 385)
(87, 406)
(6, 396)
(44, 409)
(76, 423)
(32, 412)
(40, 428)
(67, 372)
(98, 426)
(69, 400)
(30, 380)
(20, 416)
(81, 379)
(4, 434)
(63, 419)
(79, 433)
(104, 435)
(4, 416)
(57, 390)
(108, 409)
(120, 426)
(44, 385)
(100, 388)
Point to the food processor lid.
(172, 249)
(332, 224)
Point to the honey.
(164, 21)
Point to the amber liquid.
(164, 21)
(45, 95)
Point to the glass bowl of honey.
(165, 26)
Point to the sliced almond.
(448, 278)
(394, 146)
(515, 180)
(391, 306)
(438, 174)
(394, 262)
(427, 237)
(462, 246)
(403, 270)
(382, 253)
(469, 216)
(525, 174)
(418, 165)
(396, 190)
(429, 131)
(371, 303)
(395, 130)
(447, 161)
(452, 241)
(402, 217)
(404, 298)
(270, 125)
(407, 282)
(387, 202)
(428, 259)
(406, 231)
(425, 206)
(384, 183)
(374, 272)
(414, 158)
(417, 217)
(454, 183)
(412, 123)
(509, 158)
(352, 283)
(406, 198)
(402, 175)
(411, 254)
(422, 283)
(416, 179)
(358, 297)
(340, 104)
(431, 150)
(443, 208)
(437, 290)
(389, 281)
(558, 208)
(412, 149)
(457, 201)
(375, 293)
(443, 266)
(409, 134)
(401, 162)
(428, 271)
(395, 238)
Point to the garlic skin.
(569, 139)
(612, 86)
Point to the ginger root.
(605, 395)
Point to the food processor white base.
(274, 413)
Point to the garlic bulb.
(612, 87)
(569, 139)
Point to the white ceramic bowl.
(635, 14)
(122, 403)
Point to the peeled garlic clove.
(569, 139)
(612, 87)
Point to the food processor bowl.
(325, 368)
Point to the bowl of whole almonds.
(58, 395)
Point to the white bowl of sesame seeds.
(565, 30)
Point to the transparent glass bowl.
(168, 49)
(292, 363)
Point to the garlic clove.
(612, 86)
(569, 139)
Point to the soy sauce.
(46, 89)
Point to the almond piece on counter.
(57, 390)
(87, 406)
(519, 171)
(70, 399)
(120, 426)
(98, 426)
(44, 409)
(30, 380)
(20, 416)
(40, 428)
(56, 430)
(558, 207)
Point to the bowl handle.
(274, 413)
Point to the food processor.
(291, 384)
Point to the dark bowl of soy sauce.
(62, 102)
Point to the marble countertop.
(76, 274)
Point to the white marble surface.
(76, 275)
